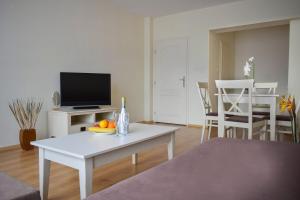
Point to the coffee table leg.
(171, 146)
(86, 178)
(134, 158)
(44, 172)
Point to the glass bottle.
(123, 121)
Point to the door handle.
(183, 81)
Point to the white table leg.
(220, 117)
(134, 158)
(273, 119)
(44, 172)
(220, 128)
(171, 146)
(86, 178)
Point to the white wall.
(221, 61)
(148, 76)
(270, 47)
(196, 25)
(294, 59)
(39, 39)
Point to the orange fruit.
(111, 124)
(103, 123)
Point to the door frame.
(154, 90)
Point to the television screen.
(80, 89)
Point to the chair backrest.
(297, 108)
(205, 102)
(234, 98)
(269, 88)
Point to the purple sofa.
(12, 189)
(221, 169)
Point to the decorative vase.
(26, 136)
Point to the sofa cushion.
(12, 189)
(227, 169)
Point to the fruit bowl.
(104, 127)
(102, 130)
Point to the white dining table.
(268, 99)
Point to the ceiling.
(165, 7)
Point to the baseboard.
(194, 126)
(146, 122)
(188, 125)
(9, 148)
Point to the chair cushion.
(243, 119)
(212, 114)
(260, 113)
(215, 114)
(280, 118)
(283, 118)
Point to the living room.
(41, 39)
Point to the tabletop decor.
(105, 126)
(288, 104)
(56, 100)
(123, 119)
(26, 114)
(249, 69)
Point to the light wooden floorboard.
(64, 181)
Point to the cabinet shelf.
(82, 119)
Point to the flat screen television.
(85, 89)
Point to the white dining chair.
(210, 118)
(264, 88)
(284, 123)
(229, 103)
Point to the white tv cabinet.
(64, 121)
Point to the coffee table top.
(86, 145)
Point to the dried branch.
(26, 113)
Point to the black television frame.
(85, 104)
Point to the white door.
(170, 81)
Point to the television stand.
(67, 120)
(85, 107)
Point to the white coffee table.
(85, 151)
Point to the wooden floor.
(64, 181)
